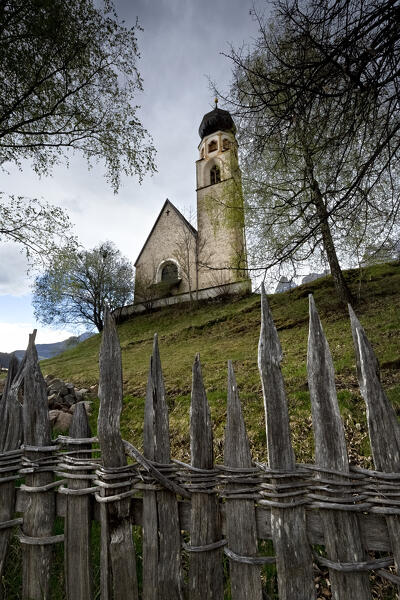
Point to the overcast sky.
(180, 49)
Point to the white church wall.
(165, 243)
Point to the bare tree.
(316, 98)
(190, 245)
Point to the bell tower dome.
(220, 216)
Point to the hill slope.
(230, 330)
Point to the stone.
(69, 399)
(53, 415)
(64, 391)
(60, 420)
(83, 391)
(56, 385)
(51, 399)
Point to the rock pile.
(62, 398)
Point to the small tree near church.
(76, 288)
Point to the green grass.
(230, 330)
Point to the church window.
(169, 272)
(215, 175)
(213, 145)
(226, 144)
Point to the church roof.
(180, 215)
(216, 120)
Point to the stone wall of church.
(171, 240)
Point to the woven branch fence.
(192, 515)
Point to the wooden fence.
(193, 515)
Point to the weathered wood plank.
(288, 525)
(11, 422)
(162, 577)
(118, 559)
(10, 438)
(13, 367)
(39, 515)
(383, 427)
(205, 567)
(77, 552)
(343, 539)
(241, 525)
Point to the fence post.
(162, 578)
(343, 539)
(241, 525)
(77, 553)
(11, 422)
(118, 559)
(205, 569)
(288, 523)
(13, 368)
(383, 427)
(39, 514)
(10, 456)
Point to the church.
(180, 263)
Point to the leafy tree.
(69, 76)
(317, 103)
(40, 228)
(77, 286)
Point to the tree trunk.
(339, 281)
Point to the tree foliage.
(42, 229)
(69, 79)
(78, 285)
(317, 103)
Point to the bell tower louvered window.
(215, 175)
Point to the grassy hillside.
(230, 330)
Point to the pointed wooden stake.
(13, 367)
(280, 450)
(288, 525)
(39, 515)
(77, 551)
(11, 422)
(162, 577)
(240, 513)
(11, 434)
(205, 569)
(343, 539)
(118, 560)
(384, 430)
(383, 427)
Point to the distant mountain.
(47, 350)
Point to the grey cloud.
(13, 267)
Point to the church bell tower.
(220, 217)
